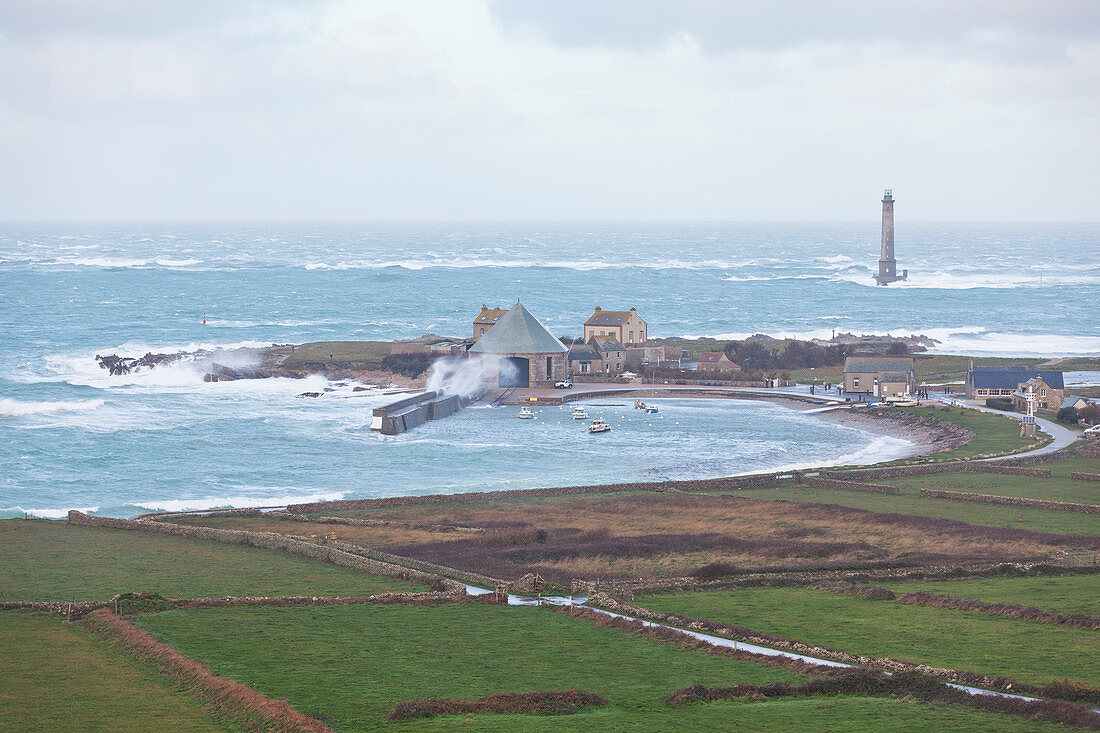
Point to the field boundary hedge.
(1006, 610)
(551, 702)
(278, 542)
(1060, 506)
(247, 707)
(900, 685)
(740, 633)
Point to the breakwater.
(410, 412)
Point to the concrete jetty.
(408, 413)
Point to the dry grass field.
(670, 534)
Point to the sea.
(72, 436)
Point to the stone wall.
(1061, 506)
(829, 483)
(1088, 452)
(719, 484)
(928, 469)
(1085, 476)
(278, 542)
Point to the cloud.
(510, 110)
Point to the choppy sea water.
(73, 437)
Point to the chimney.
(597, 309)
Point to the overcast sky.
(531, 110)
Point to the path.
(1062, 436)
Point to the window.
(855, 382)
(549, 365)
(630, 338)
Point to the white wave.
(254, 497)
(459, 262)
(966, 340)
(178, 263)
(17, 408)
(109, 262)
(1006, 279)
(47, 513)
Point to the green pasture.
(59, 676)
(1056, 594)
(1022, 650)
(55, 561)
(352, 664)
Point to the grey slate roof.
(608, 318)
(607, 343)
(518, 332)
(583, 352)
(863, 364)
(1010, 377)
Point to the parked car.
(564, 384)
(1094, 430)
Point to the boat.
(525, 413)
(579, 413)
(598, 426)
(652, 410)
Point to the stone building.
(1048, 398)
(487, 319)
(879, 376)
(626, 327)
(612, 353)
(527, 354)
(983, 382)
(584, 359)
(716, 363)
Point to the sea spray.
(466, 376)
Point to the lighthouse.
(887, 265)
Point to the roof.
(1071, 400)
(583, 352)
(863, 364)
(1011, 376)
(518, 332)
(607, 343)
(609, 318)
(490, 316)
(712, 356)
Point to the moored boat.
(525, 413)
(579, 413)
(598, 426)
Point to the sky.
(567, 110)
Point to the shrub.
(409, 365)
(999, 403)
(1068, 415)
(554, 702)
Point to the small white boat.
(579, 413)
(652, 410)
(525, 413)
(598, 426)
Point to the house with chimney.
(487, 319)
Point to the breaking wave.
(17, 408)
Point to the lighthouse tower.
(887, 265)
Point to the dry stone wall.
(1061, 506)
(720, 484)
(1085, 476)
(830, 483)
(928, 469)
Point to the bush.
(409, 365)
(1068, 415)
(1000, 403)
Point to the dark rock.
(310, 394)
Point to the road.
(1062, 436)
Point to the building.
(717, 363)
(983, 382)
(527, 353)
(879, 376)
(612, 354)
(626, 327)
(1077, 403)
(487, 319)
(1047, 397)
(887, 265)
(584, 359)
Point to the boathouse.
(528, 354)
(879, 376)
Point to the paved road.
(1062, 436)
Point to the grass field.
(990, 515)
(60, 677)
(352, 664)
(344, 354)
(1065, 594)
(993, 434)
(57, 561)
(1058, 489)
(1022, 650)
